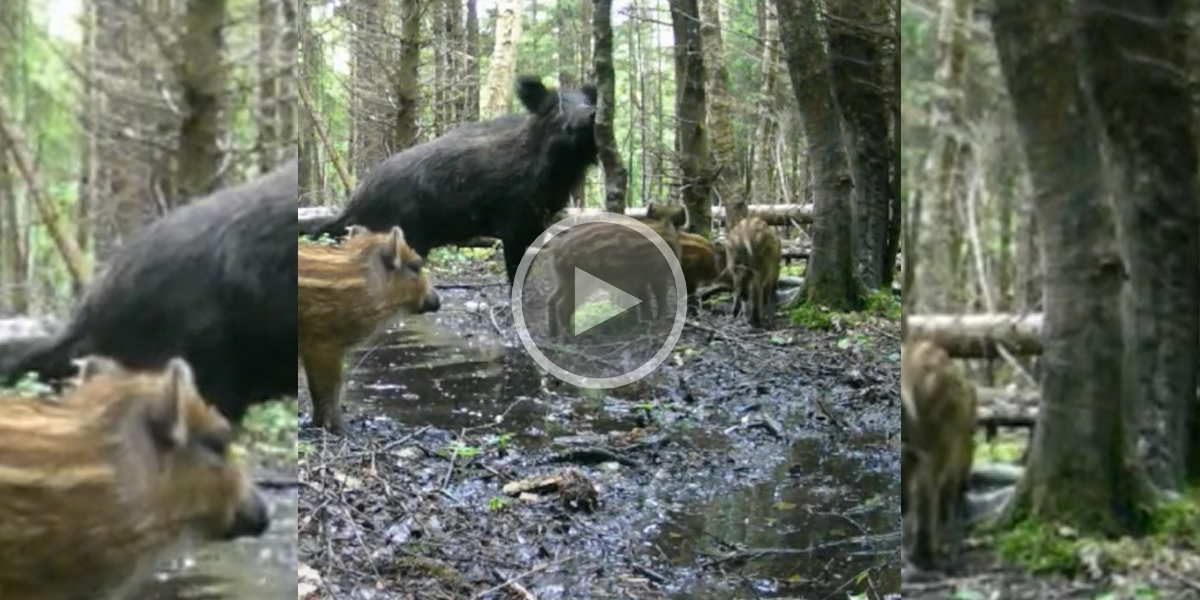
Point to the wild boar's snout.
(432, 302)
(252, 517)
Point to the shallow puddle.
(419, 375)
(825, 515)
(828, 514)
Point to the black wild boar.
(502, 178)
(213, 282)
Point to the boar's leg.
(560, 308)
(516, 242)
(323, 367)
(927, 513)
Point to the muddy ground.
(750, 465)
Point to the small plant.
(883, 304)
(503, 440)
(814, 318)
(272, 421)
(31, 386)
(461, 450)
(496, 504)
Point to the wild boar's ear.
(391, 252)
(92, 366)
(680, 216)
(532, 92)
(653, 211)
(593, 95)
(168, 418)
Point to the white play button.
(566, 267)
(586, 285)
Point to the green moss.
(1040, 548)
(813, 318)
(883, 304)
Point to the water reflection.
(827, 512)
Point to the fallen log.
(998, 396)
(16, 329)
(978, 336)
(775, 214)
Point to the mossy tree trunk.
(1081, 444)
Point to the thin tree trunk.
(691, 108)
(615, 175)
(498, 89)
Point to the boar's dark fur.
(502, 178)
(213, 281)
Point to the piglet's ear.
(167, 418)
(390, 254)
(532, 92)
(94, 366)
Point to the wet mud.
(752, 464)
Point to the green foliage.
(497, 503)
(1045, 548)
(814, 318)
(31, 386)
(1177, 522)
(324, 240)
(1040, 548)
(452, 260)
(272, 422)
(1000, 451)
(883, 304)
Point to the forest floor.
(752, 464)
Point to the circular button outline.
(599, 383)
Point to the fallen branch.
(977, 336)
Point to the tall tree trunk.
(568, 68)
(471, 69)
(407, 81)
(857, 67)
(585, 40)
(720, 117)
(615, 175)
(831, 280)
(365, 149)
(765, 179)
(309, 147)
(939, 274)
(896, 220)
(14, 273)
(498, 89)
(287, 72)
(1147, 115)
(269, 102)
(1080, 445)
(86, 200)
(691, 108)
(203, 82)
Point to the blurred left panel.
(148, 195)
